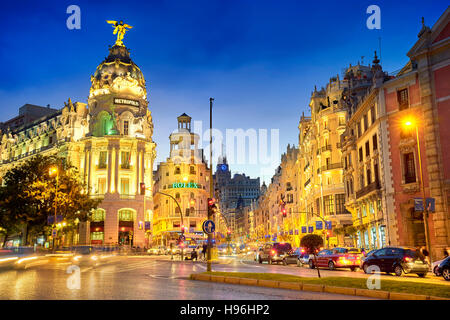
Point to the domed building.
(109, 141)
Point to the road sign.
(54, 232)
(418, 205)
(310, 229)
(319, 225)
(328, 225)
(304, 230)
(208, 227)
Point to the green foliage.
(311, 242)
(29, 195)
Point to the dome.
(118, 73)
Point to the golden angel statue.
(120, 28)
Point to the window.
(366, 123)
(409, 167)
(364, 211)
(402, 98)
(98, 215)
(102, 159)
(340, 204)
(101, 185)
(372, 114)
(124, 186)
(359, 129)
(125, 160)
(328, 205)
(369, 176)
(186, 212)
(360, 154)
(97, 236)
(374, 142)
(367, 149)
(125, 215)
(375, 172)
(125, 128)
(177, 170)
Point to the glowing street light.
(409, 123)
(53, 171)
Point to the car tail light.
(407, 259)
(274, 252)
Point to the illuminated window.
(409, 168)
(102, 159)
(101, 185)
(125, 215)
(124, 186)
(98, 215)
(125, 128)
(125, 160)
(97, 236)
(402, 98)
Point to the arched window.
(98, 215)
(177, 170)
(125, 215)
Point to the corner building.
(109, 141)
(183, 179)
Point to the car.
(444, 268)
(293, 257)
(304, 259)
(397, 260)
(435, 267)
(337, 258)
(275, 252)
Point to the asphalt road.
(140, 278)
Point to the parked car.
(337, 258)
(275, 252)
(444, 268)
(304, 259)
(397, 260)
(435, 267)
(293, 257)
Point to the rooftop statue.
(119, 28)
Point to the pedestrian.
(204, 249)
(426, 254)
(446, 252)
(194, 255)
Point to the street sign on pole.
(418, 205)
(319, 225)
(54, 232)
(208, 227)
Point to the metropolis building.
(109, 141)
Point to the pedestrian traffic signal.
(183, 228)
(142, 185)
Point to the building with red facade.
(417, 112)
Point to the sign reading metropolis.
(126, 101)
(185, 185)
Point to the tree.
(312, 243)
(30, 194)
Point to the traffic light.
(283, 210)
(212, 207)
(142, 185)
(183, 229)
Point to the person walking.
(204, 249)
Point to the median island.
(389, 289)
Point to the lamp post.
(211, 191)
(52, 172)
(408, 124)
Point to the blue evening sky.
(259, 59)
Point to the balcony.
(367, 189)
(332, 166)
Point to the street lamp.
(408, 124)
(53, 171)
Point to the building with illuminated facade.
(184, 179)
(109, 141)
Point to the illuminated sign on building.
(126, 101)
(185, 185)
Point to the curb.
(386, 295)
